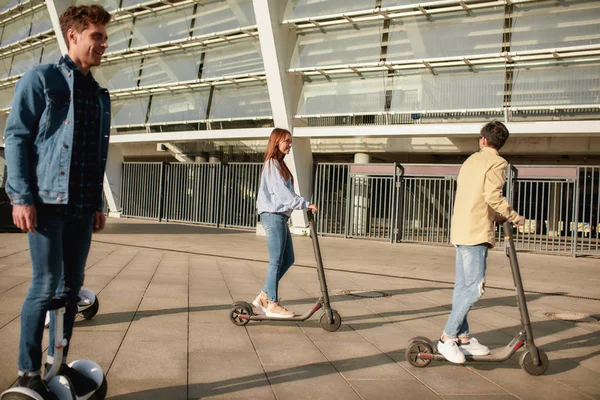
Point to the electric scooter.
(421, 351)
(87, 306)
(242, 312)
(58, 384)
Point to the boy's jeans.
(58, 241)
(468, 288)
(281, 251)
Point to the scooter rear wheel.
(92, 310)
(337, 321)
(412, 354)
(528, 366)
(240, 314)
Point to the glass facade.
(197, 61)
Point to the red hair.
(273, 153)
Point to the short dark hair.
(496, 134)
(80, 17)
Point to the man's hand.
(313, 208)
(25, 217)
(99, 221)
(521, 221)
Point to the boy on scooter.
(479, 200)
(56, 144)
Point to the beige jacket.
(479, 198)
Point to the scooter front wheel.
(528, 366)
(240, 314)
(414, 351)
(337, 321)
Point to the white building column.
(276, 44)
(113, 177)
(55, 8)
(360, 201)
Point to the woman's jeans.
(468, 288)
(281, 251)
(58, 241)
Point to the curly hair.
(80, 17)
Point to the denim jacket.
(39, 134)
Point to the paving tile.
(393, 389)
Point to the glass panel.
(118, 35)
(5, 64)
(41, 22)
(188, 106)
(551, 25)
(129, 3)
(556, 86)
(109, 5)
(162, 27)
(117, 76)
(130, 111)
(217, 16)
(25, 61)
(343, 95)
(314, 8)
(51, 53)
(338, 45)
(171, 68)
(240, 101)
(393, 3)
(451, 89)
(233, 59)
(448, 35)
(6, 97)
(6, 5)
(16, 30)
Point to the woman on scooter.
(275, 203)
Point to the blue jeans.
(281, 251)
(59, 250)
(468, 288)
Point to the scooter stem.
(522, 302)
(320, 269)
(59, 341)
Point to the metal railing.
(241, 190)
(201, 193)
(142, 189)
(330, 194)
(588, 212)
(410, 203)
(192, 193)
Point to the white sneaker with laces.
(449, 349)
(260, 302)
(473, 348)
(274, 309)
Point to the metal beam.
(575, 54)
(181, 45)
(228, 134)
(426, 9)
(541, 128)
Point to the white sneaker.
(473, 348)
(274, 309)
(260, 302)
(449, 349)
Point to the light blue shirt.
(275, 194)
